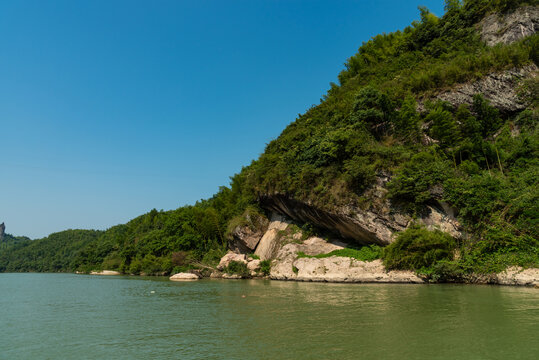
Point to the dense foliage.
(51, 254)
(417, 248)
(480, 162)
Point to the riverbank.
(293, 255)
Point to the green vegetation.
(57, 252)
(265, 267)
(418, 248)
(237, 268)
(8, 241)
(482, 163)
(364, 253)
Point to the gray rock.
(2, 231)
(501, 89)
(376, 225)
(245, 238)
(511, 27)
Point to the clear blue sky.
(111, 108)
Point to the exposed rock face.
(2, 231)
(376, 225)
(231, 256)
(184, 277)
(253, 266)
(518, 276)
(501, 89)
(287, 265)
(512, 27)
(269, 244)
(340, 269)
(245, 238)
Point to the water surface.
(65, 316)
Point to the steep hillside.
(427, 146)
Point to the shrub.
(417, 248)
(237, 268)
(414, 181)
(265, 267)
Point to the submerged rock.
(184, 277)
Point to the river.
(67, 316)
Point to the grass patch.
(365, 253)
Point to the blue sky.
(111, 108)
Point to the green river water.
(67, 316)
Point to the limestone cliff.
(376, 224)
(503, 90)
(496, 29)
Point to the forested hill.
(437, 121)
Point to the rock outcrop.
(184, 277)
(511, 27)
(244, 238)
(253, 265)
(518, 276)
(376, 225)
(501, 89)
(2, 231)
(231, 256)
(288, 266)
(341, 269)
(269, 244)
(284, 242)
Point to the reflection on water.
(88, 317)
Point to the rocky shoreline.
(282, 242)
